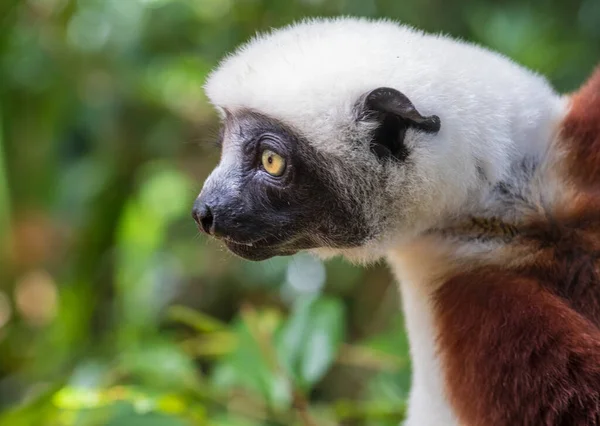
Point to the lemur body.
(468, 173)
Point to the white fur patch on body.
(417, 268)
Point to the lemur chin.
(475, 180)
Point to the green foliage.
(311, 338)
(4, 194)
(113, 310)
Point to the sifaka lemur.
(469, 174)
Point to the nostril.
(204, 218)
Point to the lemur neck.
(531, 186)
(479, 236)
(416, 267)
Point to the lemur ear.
(395, 113)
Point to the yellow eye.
(273, 163)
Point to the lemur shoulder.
(468, 173)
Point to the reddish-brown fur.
(521, 345)
(517, 354)
(581, 132)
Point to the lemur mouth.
(258, 251)
(266, 248)
(228, 240)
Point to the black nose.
(203, 216)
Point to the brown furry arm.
(515, 354)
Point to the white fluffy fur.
(417, 269)
(493, 114)
(310, 75)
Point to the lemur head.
(350, 136)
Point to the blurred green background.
(113, 309)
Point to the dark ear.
(395, 113)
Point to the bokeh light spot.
(88, 30)
(36, 297)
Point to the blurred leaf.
(196, 319)
(170, 404)
(163, 197)
(374, 410)
(233, 420)
(160, 364)
(89, 374)
(215, 344)
(79, 399)
(364, 357)
(145, 276)
(177, 83)
(128, 404)
(310, 340)
(4, 196)
(166, 193)
(386, 386)
(153, 419)
(250, 367)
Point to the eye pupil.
(273, 163)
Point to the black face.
(261, 209)
(274, 194)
